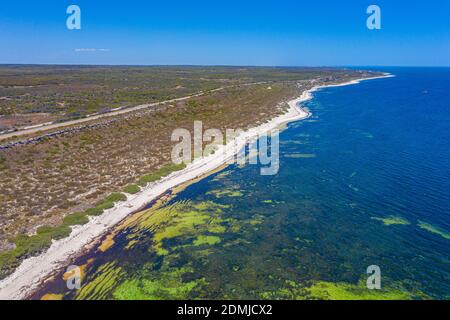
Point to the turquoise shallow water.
(364, 181)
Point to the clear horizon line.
(225, 65)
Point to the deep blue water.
(382, 148)
(393, 136)
(372, 151)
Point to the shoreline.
(27, 278)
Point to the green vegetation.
(115, 197)
(208, 240)
(77, 218)
(109, 274)
(392, 220)
(106, 204)
(27, 246)
(132, 189)
(169, 286)
(184, 220)
(55, 233)
(96, 211)
(158, 174)
(232, 193)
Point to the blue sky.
(232, 32)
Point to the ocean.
(363, 182)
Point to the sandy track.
(52, 126)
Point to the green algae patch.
(222, 175)
(182, 221)
(98, 288)
(226, 193)
(210, 206)
(166, 285)
(183, 225)
(323, 290)
(434, 229)
(301, 155)
(216, 226)
(290, 291)
(208, 240)
(392, 220)
(256, 220)
(131, 244)
(346, 291)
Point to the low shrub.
(158, 174)
(55, 233)
(115, 197)
(77, 218)
(105, 204)
(27, 246)
(8, 262)
(132, 189)
(31, 245)
(94, 211)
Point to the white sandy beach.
(30, 274)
